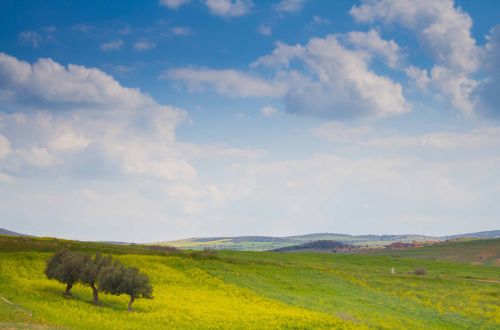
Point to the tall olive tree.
(91, 271)
(117, 279)
(66, 267)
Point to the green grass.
(476, 251)
(253, 290)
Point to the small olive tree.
(117, 279)
(66, 267)
(91, 270)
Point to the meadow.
(252, 290)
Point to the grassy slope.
(485, 251)
(254, 290)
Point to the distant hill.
(10, 233)
(330, 246)
(266, 243)
(481, 234)
(474, 251)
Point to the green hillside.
(484, 251)
(252, 290)
(267, 243)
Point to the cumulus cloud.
(229, 8)
(47, 84)
(388, 50)
(4, 146)
(338, 82)
(323, 78)
(445, 31)
(112, 45)
(174, 4)
(289, 6)
(105, 134)
(102, 122)
(226, 82)
(488, 90)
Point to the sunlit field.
(259, 290)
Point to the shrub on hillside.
(420, 271)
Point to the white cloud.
(121, 127)
(338, 82)
(47, 84)
(268, 111)
(365, 137)
(4, 146)
(445, 31)
(265, 30)
(215, 151)
(112, 45)
(174, 4)
(229, 8)
(488, 90)
(395, 185)
(337, 132)
(181, 31)
(36, 156)
(118, 136)
(144, 45)
(32, 38)
(318, 20)
(68, 140)
(280, 56)
(5, 178)
(226, 82)
(335, 82)
(418, 77)
(289, 6)
(387, 50)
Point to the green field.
(266, 243)
(477, 252)
(253, 290)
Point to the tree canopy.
(101, 273)
(66, 267)
(117, 279)
(91, 270)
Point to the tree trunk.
(130, 303)
(68, 289)
(95, 293)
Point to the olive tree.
(117, 279)
(66, 267)
(91, 270)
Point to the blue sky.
(156, 120)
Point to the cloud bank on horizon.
(245, 117)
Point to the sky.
(148, 121)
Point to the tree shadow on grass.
(105, 301)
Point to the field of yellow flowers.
(255, 290)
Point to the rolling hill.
(474, 251)
(251, 290)
(10, 233)
(265, 243)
